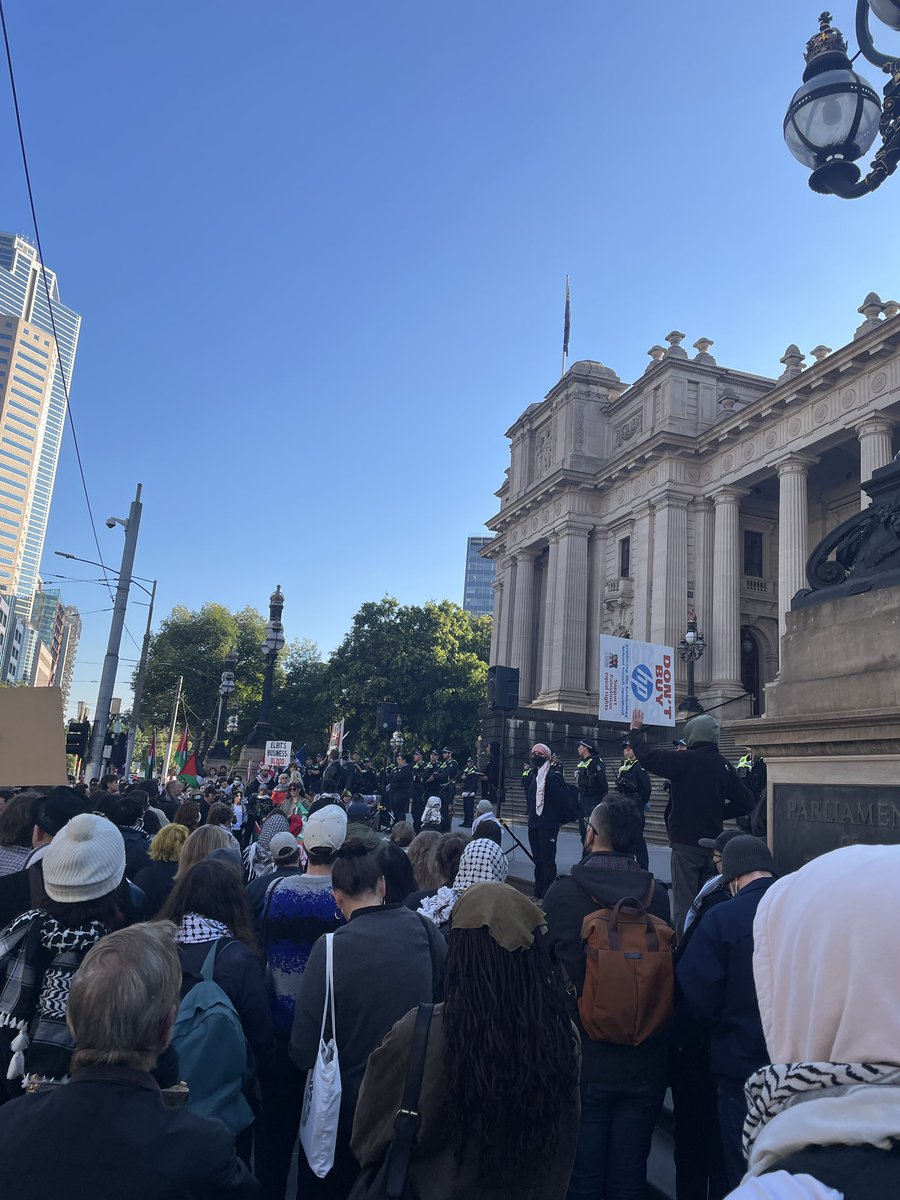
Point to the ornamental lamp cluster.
(836, 115)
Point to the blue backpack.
(212, 1051)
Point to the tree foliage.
(429, 659)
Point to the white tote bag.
(322, 1098)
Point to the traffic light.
(77, 738)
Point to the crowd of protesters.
(173, 971)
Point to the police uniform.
(752, 772)
(470, 778)
(446, 779)
(590, 777)
(633, 782)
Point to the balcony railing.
(761, 588)
(619, 589)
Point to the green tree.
(194, 645)
(429, 659)
(301, 712)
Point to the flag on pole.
(567, 322)
(150, 763)
(180, 755)
(188, 773)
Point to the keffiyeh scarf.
(482, 862)
(774, 1089)
(38, 957)
(195, 928)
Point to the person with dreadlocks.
(499, 1107)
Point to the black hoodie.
(599, 881)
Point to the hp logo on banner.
(642, 682)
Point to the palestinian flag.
(179, 758)
(188, 773)
(150, 762)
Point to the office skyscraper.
(478, 596)
(32, 409)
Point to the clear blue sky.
(320, 253)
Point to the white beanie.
(86, 860)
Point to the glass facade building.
(478, 595)
(32, 408)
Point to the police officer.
(447, 776)
(417, 790)
(469, 788)
(527, 773)
(401, 788)
(752, 772)
(590, 776)
(634, 782)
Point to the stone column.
(725, 641)
(522, 650)
(503, 621)
(703, 558)
(669, 595)
(875, 449)
(497, 587)
(793, 532)
(641, 572)
(551, 570)
(596, 596)
(568, 662)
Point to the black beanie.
(745, 854)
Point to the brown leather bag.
(629, 978)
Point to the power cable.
(40, 249)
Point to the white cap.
(283, 846)
(326, 828)
(86, 860)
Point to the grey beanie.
(744, 854)
(702, 729)
(86, 860)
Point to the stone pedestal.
(831, 733)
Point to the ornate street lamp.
(262, 731)
(226, 688)
(232, 727)
(690, 649)
(834, 117)
(396, 741)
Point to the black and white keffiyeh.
(195, 928)
(38, 957)
(482, 862)
(774, 1089)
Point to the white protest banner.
(636, 675)
(336, 741)
(278, 754)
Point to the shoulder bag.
(322, 1097)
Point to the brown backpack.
(629, 977)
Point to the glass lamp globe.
(887, 11)
(690, 637)
(835, 114)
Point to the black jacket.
(334, 777)
(715, 977)
(401, 783)
(634, 782)
(239, 973)
(107, 1133)
(705, 788)
(556, 793)
(446, 779)
(155, 880)
(600, 881)
(386, 961)
(590, 776)
(137, 851)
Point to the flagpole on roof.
(567, 320)
(165, 774)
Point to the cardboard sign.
(32, 738)
(636, 675)
(278, 754)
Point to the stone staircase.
(655, 830)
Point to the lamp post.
(226, 688)
(262, 731)
(835, 116)
(690, 649)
